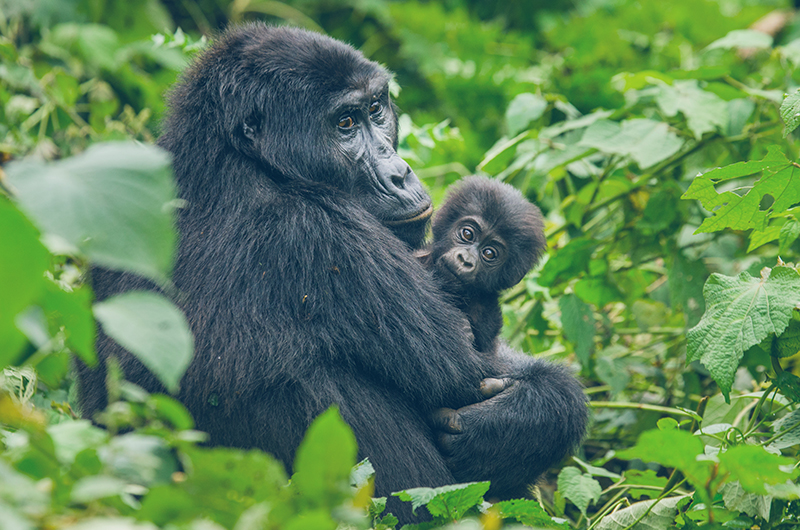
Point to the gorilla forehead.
(298, 59)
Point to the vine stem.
(638, 406)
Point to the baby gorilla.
(486, 237)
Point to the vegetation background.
(657, 137)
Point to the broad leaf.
(651, 515)
(579, 487)
(742, 38)
(153, 329)
(740, 313)
(324, 460)
(780, 181)
(704, 111)
(522, 110)
(790, 112)
(113, 203)
(23, 262)
(647, 142)
(578, 321)
(528, 512)
(753, 467)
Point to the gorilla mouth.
(424, 215)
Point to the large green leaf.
(704, 111)
(780, 181)
(790, 112)
(113, 203)
(324, 460)
(153, 329)
(647, 142)
(23, 262)
(754, 468)
(651, 515)
(578, 487)
(740, 313)
(578, 321)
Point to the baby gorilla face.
(476, 254)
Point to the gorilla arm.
(537, 417)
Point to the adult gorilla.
(296, 275)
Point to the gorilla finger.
(490, 386)
(447, 420)
(445, 443)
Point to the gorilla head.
(306, 108)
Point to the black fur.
(298, 294)
(500, 219)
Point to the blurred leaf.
(742, 38)
(674, 449)
(753, 467)
(21, 276)
(578, 321)
(528, 512)
(152, 328)
(645, 477)
(139, 459)
(740, 313)
(647, 142)
(524, 109)
(704, 111)
(96, 487)
(113, 203)
(579, 487)
(324, 459)
(790, 112)
(72, 310)
(568, 262)
(72, 437)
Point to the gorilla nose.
(465, 262)
(399, 180)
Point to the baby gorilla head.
(486, 237)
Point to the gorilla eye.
(489, 254)
(346, 122)
(375, 107)
(467, 234)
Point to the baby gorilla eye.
(346, 122)
(375, 107)
(489, 254)
(466, 234)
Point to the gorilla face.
(311, 109)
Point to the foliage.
(660, 141)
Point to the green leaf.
(527, 512)
(704, 111)
(788, 343)
(737, 499)
(522, 110)
(740, 313)
(789, 232)
(789, 429)
(22, 276)
(73, 312)
(72, 437)
(790, 112)
(647, 142)
(568, 261)
(660, 515)
(96, 487)
(674, 449)
(578, 321)
(742, 38)
(780, 182)
(139, 459)
(647, 477)
(579, 487)
(448, 502)
(113, 203)
(324, 460)
(789, 385)
(153, 329)
(754, 467)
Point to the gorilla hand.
(532, 417)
